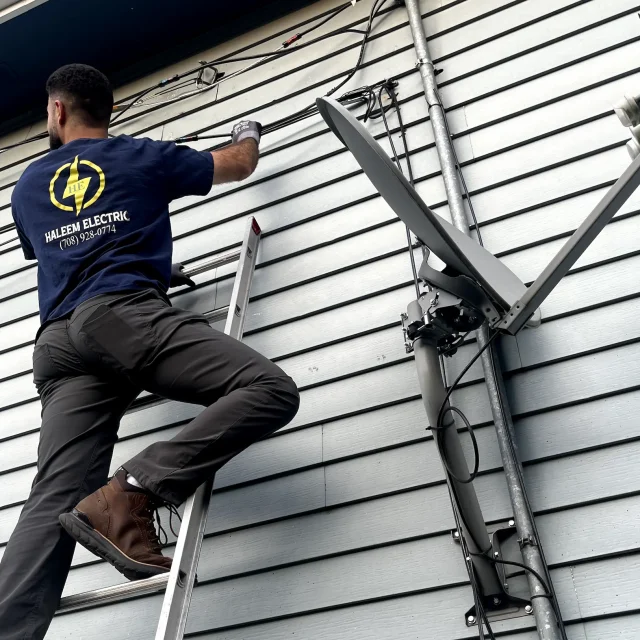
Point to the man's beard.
(54, 140)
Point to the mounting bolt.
(456, 534)
(496, 554)
(471, 620)
(512, 523)
(528, 609)
(496, 601)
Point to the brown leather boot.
(116, 523)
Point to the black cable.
(403, 133)
(338, 10)
(307, 111)
(549, 584)
(286, 43)
(161, 84)
(354, 96)
(474, 443)
(440, 427)
(513, 563)
(481, 614)
(230, 59)
(459, 170)
(456, 382)
(141, 94)
(375, 9)
(397, 161)
(39, 136)
(483, 618)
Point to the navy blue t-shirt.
(95, 214)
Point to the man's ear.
(61, 112)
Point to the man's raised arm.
(239, 160)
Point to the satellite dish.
(453, 247)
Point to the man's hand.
(178, 277)
(239, 160)
(246, 129)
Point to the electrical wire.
(229, 58)
(440, 427)
(389, 87)
(550, 588)
(461, 375)
(481, 614)
(459, 170)
(138, 97)
(257, 59)
(39, 136)
(283, 122)
(303, 113)
(474, 444)
(513, 563)
(200, 88)
(352, 97)
(142, 95)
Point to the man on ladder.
(94, 213)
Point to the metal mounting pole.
(542, 607)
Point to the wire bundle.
(137, 99)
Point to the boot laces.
(152, 510)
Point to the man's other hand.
(179, 277)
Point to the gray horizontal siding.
(553, 342)
(582, 590)
(338, 526)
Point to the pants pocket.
(43, 366)
(120, 342)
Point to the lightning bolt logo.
(77, 187)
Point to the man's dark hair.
(88, 93)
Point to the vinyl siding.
(339, 525)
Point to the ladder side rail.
(175, 608)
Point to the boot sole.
(95, 542)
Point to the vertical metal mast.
(542, 607)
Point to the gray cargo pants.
(88, 369)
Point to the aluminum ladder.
(179, 582)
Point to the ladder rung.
(217, 314)
(117, 593)
(213, 263)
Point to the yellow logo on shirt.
(77, 187)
